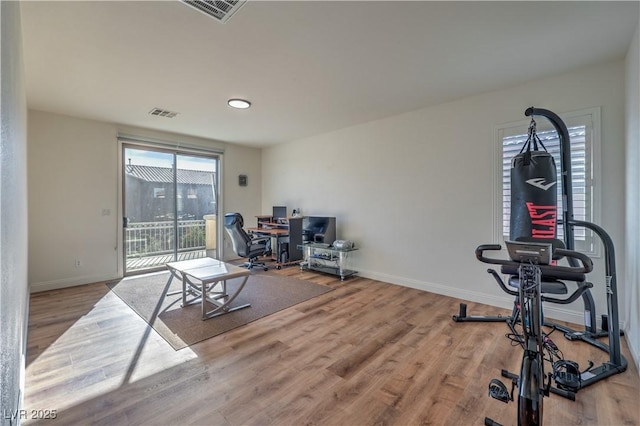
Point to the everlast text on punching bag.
(533, 192)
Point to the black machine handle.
(582, 287)
(549, 270)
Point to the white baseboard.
(635, 355)
(551, 311)
(69, 282)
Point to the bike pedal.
(490, 422)
(567, 375)
(499, 391)
(567, 381)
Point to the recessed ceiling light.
(239, 103)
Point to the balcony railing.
(156, 238)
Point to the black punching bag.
(533, 193)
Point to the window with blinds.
(581, 142)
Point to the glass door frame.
(175, 149)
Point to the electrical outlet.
(78, 263)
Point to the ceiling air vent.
(163, 113)
(222, 10)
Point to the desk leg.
(184, 290)
(224, 307)
(172, 274)
(203, 299)
(183, 278)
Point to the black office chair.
(243, 244)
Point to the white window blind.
(581, 172)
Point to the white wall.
(73, 175)
(415, 191)
(14, 296)
(632, 275)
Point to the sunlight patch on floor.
(107, 347)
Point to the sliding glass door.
(170, 207)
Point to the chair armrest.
(259, 239)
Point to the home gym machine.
(537, 274)
(539, 174)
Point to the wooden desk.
(264, 219)
(274, 232)
(212, 275)
(288, 236)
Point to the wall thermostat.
(242, 180)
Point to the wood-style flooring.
(368, 353)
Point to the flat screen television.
(318, 229)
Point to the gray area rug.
(182, 327)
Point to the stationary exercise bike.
(610, 326)
(534, 275)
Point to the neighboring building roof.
(165, 175)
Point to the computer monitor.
(279, 213)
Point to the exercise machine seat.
(548, 273)
(548, 287)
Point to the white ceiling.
(308, 67)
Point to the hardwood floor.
(367, 353)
